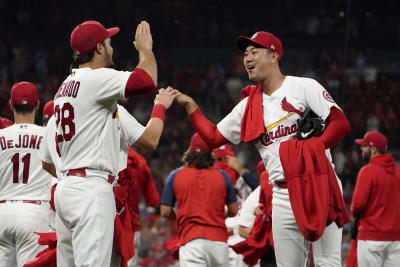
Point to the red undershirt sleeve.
(337, 127)
(139, 83)
(207, 130)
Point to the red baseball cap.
(88, 34)
(48, 110)
(197, 144)
(24, 93)
(260, 167)
(4, 123)
(263, 39)
(222, 151)
(373, 139)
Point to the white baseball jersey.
(131, 131)
(280, 125)
(232, 223)
(247, 216)
(21, 173)
(85, 109)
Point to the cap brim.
(360, 142)
(242, 42)
(112, 31)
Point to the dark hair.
(79, 59)
(200, 160)
(24, 109)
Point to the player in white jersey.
(88, 140)
(281, 99)
(24, 185)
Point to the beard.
(366, 156)
(109, 59)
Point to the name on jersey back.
(24, 141)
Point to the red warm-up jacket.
(376, 200)
(314, 192)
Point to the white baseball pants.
(291, 248)
(204, 253)
(85, 222)
(18, 221)
(378, 253)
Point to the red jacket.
(376, 200)
(260, 239)
(314, 192)
(138, 180)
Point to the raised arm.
(206, 129)
(143, 79)
(151, 136)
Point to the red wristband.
(158, 112)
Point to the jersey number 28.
(65, 116)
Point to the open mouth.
(250, 68)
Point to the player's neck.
(24, 118)
(272, 83)
(95, 63)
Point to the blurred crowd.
(195, 54)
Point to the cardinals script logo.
(281, 131)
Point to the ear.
(99, 48)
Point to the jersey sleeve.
(168, 195)
(230, 126)
(44, 152)
(230, 190)
(131, 129)
(318, 98)
(247, 216)
(110, 85)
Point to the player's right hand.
(166, 96)
(143, 38)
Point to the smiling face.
(257, 62)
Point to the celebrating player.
(376, 202)
(201, 193)
(88, 139)
(268, 116)
(24, 185)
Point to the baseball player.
(201, 193)
(24, 185)
(243, 182)
(88, 139)
(281, 100)
(376, 201)
(247, 216)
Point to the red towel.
(260, 239)
(123, 231)
(252, 126)
(314, 192)
(47, 257)
(173, 246)
(352, 257)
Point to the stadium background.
(351, 47)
